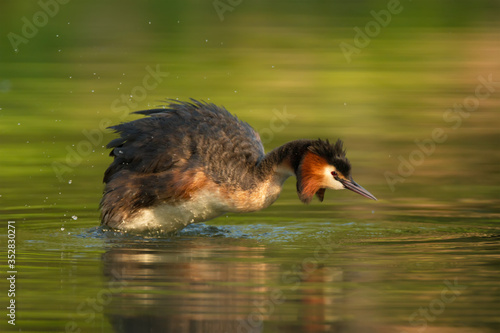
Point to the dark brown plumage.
(191, 161)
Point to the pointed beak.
(355, 187)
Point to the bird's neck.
(283, 161)
(265, 183)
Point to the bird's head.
(323, 166)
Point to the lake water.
(415, 96)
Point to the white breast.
(207, 204)
(170, 217)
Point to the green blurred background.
(85, 61)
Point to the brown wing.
(156, 158)
(198, 132)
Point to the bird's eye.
(334, 173)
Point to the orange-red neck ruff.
(311, 176)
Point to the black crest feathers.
(334, 154)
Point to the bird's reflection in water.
(221, 285)
(184, 286)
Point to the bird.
(191, 161)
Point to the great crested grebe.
(192, 161)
